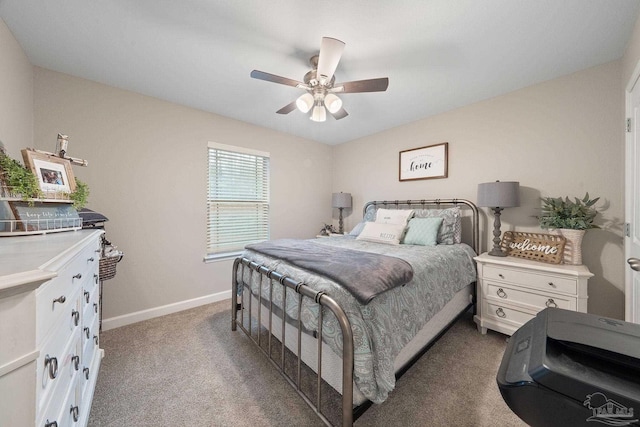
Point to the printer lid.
(585, 352)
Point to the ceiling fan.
(320, 86)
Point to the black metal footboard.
(301, 291)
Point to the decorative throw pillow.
(357, 229)
(422, 231)
(451, 229)
(393, 216)
(382, 233)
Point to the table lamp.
(341, 200)
(497, 196)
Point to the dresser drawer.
(56, 366)
(506, 313)
(537, 301)
(534, 280)
(52, 297)
(59, 410)
(90, 340)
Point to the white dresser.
(49, 328)
(511, 291)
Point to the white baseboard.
(139, 316)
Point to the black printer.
(564, 368)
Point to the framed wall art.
(54, 174)
(428, 162)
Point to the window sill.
(221, 257)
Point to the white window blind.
(238, 198)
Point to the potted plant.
(571, 218)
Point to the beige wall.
(148, 167)
(562, 137)
(147, 174)
(16, 100)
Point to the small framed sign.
(534, 246)
(44, 216)
(424, 163)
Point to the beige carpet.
(189, 369)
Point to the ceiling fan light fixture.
(305, 102)
(333, 103)
(319, 114)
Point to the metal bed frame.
(289, 284)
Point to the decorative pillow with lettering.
(393, 216)
(422, 231)
(451, 228)
(382, 233)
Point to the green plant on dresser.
(577, 214)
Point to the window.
(237, 199)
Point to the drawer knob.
(90, 259)
(87, 296)
(500, 275)
(76, 362)
(86, 373)
(552, 284)
(52, 364)
(95, 307)
(500, 313)
(78, 276)
(95, 339)
(76, 317)
(75, 413)
(61, 299)
(86, 332)
(51, 423)
(501, 293)
(551, 303)
(95, 279)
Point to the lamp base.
(497, 252)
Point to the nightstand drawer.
(507, 313)
(539, 281)
(499, 292)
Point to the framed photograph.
(428, 162)
(54, 174)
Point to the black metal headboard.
(433, 204)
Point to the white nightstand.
(511, 291)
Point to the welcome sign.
(534, 246)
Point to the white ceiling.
(438, 54)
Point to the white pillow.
(393, 216)
(382, 233)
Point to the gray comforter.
(364, 274)
(385, 325)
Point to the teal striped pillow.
(422, 231)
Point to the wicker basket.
(108, 266)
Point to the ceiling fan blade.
(261, 75)
(340, 114)
(371, 85)
(287, 108)
(330, 53)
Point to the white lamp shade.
(319, 114)
(333, 103)
(341, 200)
(305, 102)
(499, 194)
